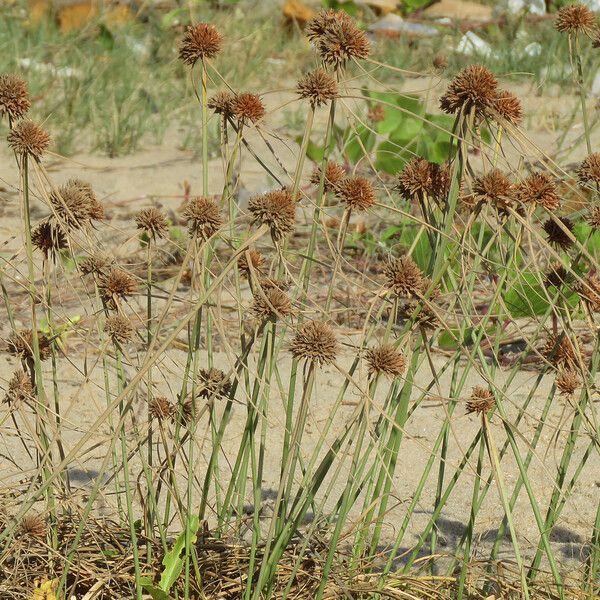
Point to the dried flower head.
(248, 107)
(20, 343)
(48, 238)
(589, 170)
(19, 389)
(315, 341)
(556, 276)
(33, 526)
(153, 222)
(116, 283)
(589, 291)
(356, 193)
(338, 40)
(318, 87)
(323, 21)
(539, 189)
(508, 107)
(256, 262)
(203, 217)
(494, 188)
(574, 19)
(557, 236)
(593, 217)
(74, 203)
(560, 351)
(222, 103)
(440, 62)
(567, 382)
(386, 360)
(441, 180)
(376, 114)
(473, 89)
(27, 138)
(96, 264)
(161, 409)
(481, 401)
(405, 279)
(271, 304)
(276, 209)
(266, 283)
(119, 328)
(213, 382)
(426, 318)
(14, 97)
(334, 174)
(415, 180)
(200, 41)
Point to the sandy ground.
(157, 175)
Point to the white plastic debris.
(396, 24)
(533, 49)
(27, 63)
(592, 4)
(514, 7)
(471, 44)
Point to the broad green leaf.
(357, 143)
(389, 158)
(172, 561)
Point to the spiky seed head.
(376, 114)
(27, 138)
(356, 192)
(20, 388)
(592, 218)
(574, 19)
(440, 62)
(20, 343)
(153, 222)
(119, 328)
(323, 21)
(386, 360)
(416, 179)
(271, 304)
(334, 174)
(200, 41)
(318, 87)
(266, 283)
(589, 291)
(556, 276)
(560, 351)
(96, 264)
(556, 235)
(213, 383)
(276, 209)
(203, 217)
(427, 318)
(473, 89)
(161, 409)
(33, 526)
(441, 180)
(568, 381)
(589, 170)
(248, 107)
(507, 107)
(48, 238)
(404, 278)
(494, 188)
(539, 189)
(14, 97)
(315, 341)
(256, 261)
(116, 283)
(222, 104)
(74, 203)
(481, 400)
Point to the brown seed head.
(589, 291)
(14, 97)
(574, 19)
(556, 276)
(33, 526)
(318, 87)
(267, 283)
(539, 189)
(222, 103)
(560, 351)
(19, 389)
(440, 62)
(256, 261)
(213, 383)
(340, 41)
(153, 222)
(589, 170)
(20, 343)
(356, 193)
(334, 174)
(474, 88)
(405, 279)
(481, 401)
(271, 304)
(97, 264)
(415, 180)
(593, 217)
(441, 180)
(27, 138)
(315, 341)
(376, 114)
(427, 317)
(74, 203)
(385, 360)
(119, 328)
(116, 283)
(200, 41)
(567, 382)
(276, 209)
(161, 409)
(494, 188)
(323, 22)
(48, 238)
(248, 107)
(203, 217)
(507, 107)
(556, 234)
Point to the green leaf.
(390, 158)
(357, 143)
(407, 131)
(106, 38)
(450, 339)
(525, 298)
(172, 561)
